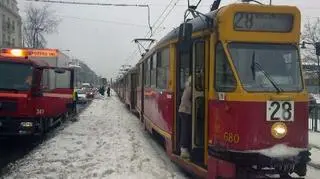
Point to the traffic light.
(317, 45)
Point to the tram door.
(198, 100)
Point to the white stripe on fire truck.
(57, 95)
(13, 95)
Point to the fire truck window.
(45, 80)
(163, 68)
(63, 80)
(15, 76)
(224, 79)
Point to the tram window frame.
(230, 72)
(163, 64)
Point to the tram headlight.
(279, 130)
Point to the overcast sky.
(102, 36)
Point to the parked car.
(82, 96)
(90, 93)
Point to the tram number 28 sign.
(265, 22)
(280, 111)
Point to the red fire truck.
(35, 91)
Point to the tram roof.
(199, 23)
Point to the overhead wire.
(135, 52)
(98, 4)
(103, 21)
(177, 1)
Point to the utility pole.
(317, 49)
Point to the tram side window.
(141, 75)
(199, 65)
(185, 69)
(147, 73)
(153, 70)
(224, 79)
(138, 76)
(163, 68)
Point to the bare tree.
(311, 35)
(39, 21)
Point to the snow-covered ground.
(314, 140)
(106, 142)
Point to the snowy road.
(106, 142)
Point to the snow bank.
(279, 151)
(315, 156)
(314, 139)
(106, 142)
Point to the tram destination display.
(265, 22)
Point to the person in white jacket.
(185, 110)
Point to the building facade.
(10, 24)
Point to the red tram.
(249, 102)
(34, 95)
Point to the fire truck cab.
(34, 96)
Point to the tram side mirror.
(60, 71)
(317, 45)
(185, 34)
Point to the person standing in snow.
(186, 119)
(108, 91)
(101, 90)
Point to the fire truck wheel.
(65, 117)
(44, 126)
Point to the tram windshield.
(17, 77)
(267, 67)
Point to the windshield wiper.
(253, 68)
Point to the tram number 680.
(231, 137)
